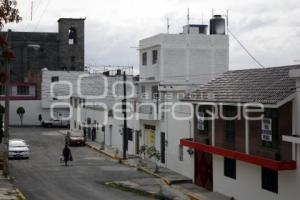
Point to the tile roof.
(264, 85)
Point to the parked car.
(56, 123)
(76, 138)
(18, 148)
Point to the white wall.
(247, 185)
(117, 128)
(195, 58)
(176, 130)
(32, 111)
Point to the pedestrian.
(94, 133)
(67, 155)
(67, 138)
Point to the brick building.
(62, 50)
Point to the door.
(203, 170)
(137, 142)
(110, 135)
(162, 147)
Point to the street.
(42, 176)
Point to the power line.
(46, 7)
(247, 51)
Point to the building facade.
(63, 50)
(245, 134)
(170, 66)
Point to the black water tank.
(217, 25)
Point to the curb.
(20, 195)
(165, 180)
(140, 192)
(193, 196)
(103, 152)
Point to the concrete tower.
(71, 44)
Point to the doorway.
(163, 147)
(110, 135)
(203, 170)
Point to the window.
(154, 56)
(23, 90)
(269, 180)
(75, 103)
(269, 129)
(230, 168)
(72, 36)
(129, 134)
(155, 93)
(54, 79)
(2, 90)
(180, 153)
(144, 58)
(74, 124)
(83, 103)
(202, 124)
(72, 58)
(230, 111)
(143, 89)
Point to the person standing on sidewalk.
(67, 155)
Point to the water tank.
(203, 29)
(195, 29)
(217, 25)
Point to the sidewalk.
(8, 190)
(168, 183)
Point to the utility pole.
(7, 109)
(125, 117)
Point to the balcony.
(256, 160)
(148, 112)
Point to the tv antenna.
(31, 11)
(168, 25)
(188, 16)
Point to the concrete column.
(247, 148)
(213, 131)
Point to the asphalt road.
(42, 177)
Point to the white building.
(170, 66)
(99, 111)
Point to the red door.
(203, 170)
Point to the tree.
(9, 12)
(21, 112)
(2, 110)
(154, 153)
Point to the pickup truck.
(56, 123)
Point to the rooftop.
(264, 85)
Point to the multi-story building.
(245, 134)
(62, 50)
(94, 107)
(170, 65)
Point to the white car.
(18, 148)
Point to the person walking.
(67, 155)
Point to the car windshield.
(76, 134)
(17, 143)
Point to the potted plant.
(154, 153)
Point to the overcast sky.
(270, 29)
